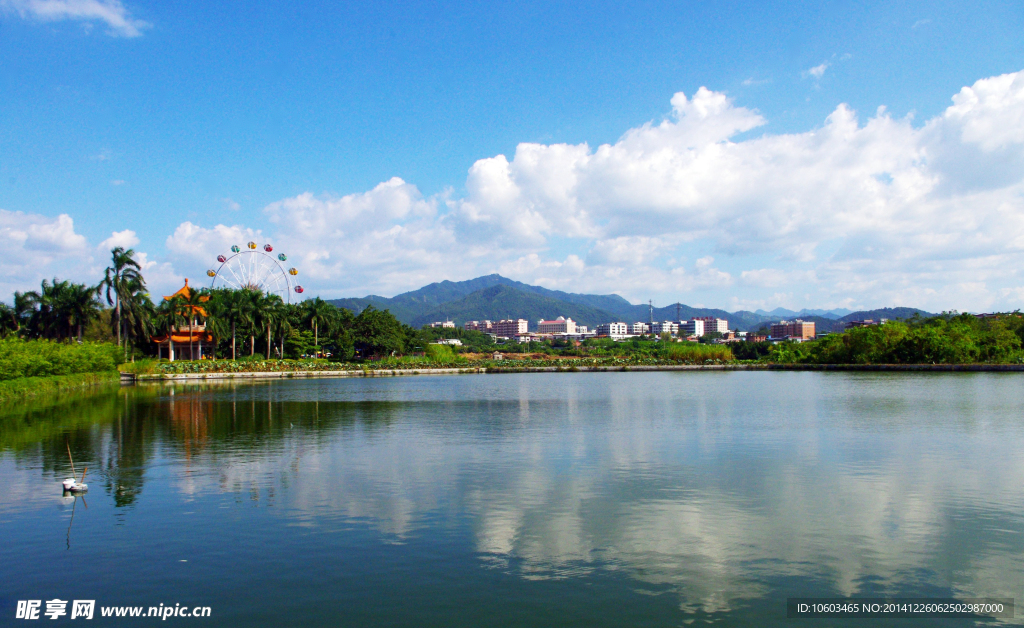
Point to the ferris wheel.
(254, 269)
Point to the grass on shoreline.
(32, 386)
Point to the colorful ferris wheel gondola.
(255, 268)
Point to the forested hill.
(498, 302)
(495, 297)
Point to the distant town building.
(639, 329)
(868, 322)
(485, 326)
(752, 337)
(692, 328)
(455, 342)
(664, 327)
(560, 325)
(443, 324)
(582, 329)
(713, 324)
(510, 328)
(798, 330)
(614, 330)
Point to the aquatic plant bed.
(519, 367)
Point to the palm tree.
(80, 306)
(254, 302)
(216, 324)
(232, 306)
(137, 312)
(317, 313)
(23, 308)
(271, 312)
(283, 328)
(8, 320)
(122, 278)
(49, 309)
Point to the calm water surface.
(575, 499)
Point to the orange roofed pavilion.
(184, 342)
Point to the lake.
(561, 499)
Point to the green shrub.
(44, 358)
(694, 353)
(440, 354)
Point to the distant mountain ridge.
(495, 297)
(835, 314)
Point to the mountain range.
(495, 297)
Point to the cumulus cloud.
(37, 247)
(113, 13)
(125, 239)
(860, 211)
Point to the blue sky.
(145, 116)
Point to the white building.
(692, 328)
(443, 324)
(582, 330)
(660, 328)
(510, 328)
(639, 329)
(560, 325)
(484, 326)
(614, 330)
(455, 342)
(712, 324)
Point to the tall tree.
(269, 312)
(233, 306)
(80, 306)
(8, 320)
(318, 313)
(377, 333)
(123, 274)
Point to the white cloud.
(37, 247)
(860, 212)
(117, 182)
(111, 12)
(817, 71)
(200, 244)
(126, 239)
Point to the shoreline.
(485, 370)
(25, 387)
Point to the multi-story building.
(510, 328)
(694, 327)
(443, 324)
(796, 330)
(582, 330)
(485, 326)
(639, 329)
(662, 327)
(615, 330)
(713, 324)
(752, 337)
(866, 323)
(560, 325)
